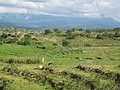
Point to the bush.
(1, 42)
(88, 31)
(10, 61)
(34, 39)
(10, 40)
(27, 42)
(69, 31)
(65, 43)
(87, 45)
(117, 34)
(55, 44)
(38, 43)
(47, 31)
(99, 37)
(27, 36)
(29, 61)
(57, 30)
(4, 35)
(20, 43)
(71, 36)
(41, 47)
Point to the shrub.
(27, 42)
(4, 35)
(57, 30)
(1, 42)
(70, 36)
(69, 31)
(47, 31)
(10, 61)
(99, 37)
(117, 34)
(29, 61)
(87, 45)
(34, 39)
(39, 43)
(41, 47)
(20, 43)
(55, 44)
(27, 36)
(65, 43)
(10, 40)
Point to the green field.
(74, 60)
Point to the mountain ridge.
(34, 21)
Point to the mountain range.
(33, 21)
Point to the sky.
(64, 8)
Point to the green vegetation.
(75, 59)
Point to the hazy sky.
(66, 8)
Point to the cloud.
(21, 4)
(66, 8)
(13, 10)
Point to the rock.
(40, 67)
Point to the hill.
(45, 21)
(75, 59)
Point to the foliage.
(47, 31)
(99, 37)
(57, 30)
(4, 35)
(65, 43)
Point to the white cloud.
(71, 8)
(12, 10)
(22, 4)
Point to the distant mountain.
(45, 21)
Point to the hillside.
(75, 59)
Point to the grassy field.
(85, 63)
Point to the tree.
(4, 35)
(27, 36)
(65, 43)
(20, 43)
(99, 37)
(117, 34)
(27, 42)
(47, 31)
(88, 31)
(10, 40)
(24, 41)
(1, 41)
(69, 31)
(71, 36)
(80, 29)
(57, 30)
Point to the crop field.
(83, 62)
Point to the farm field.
(74, 60)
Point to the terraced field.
(79, 69)
(74, 60)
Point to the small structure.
(43, 60)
